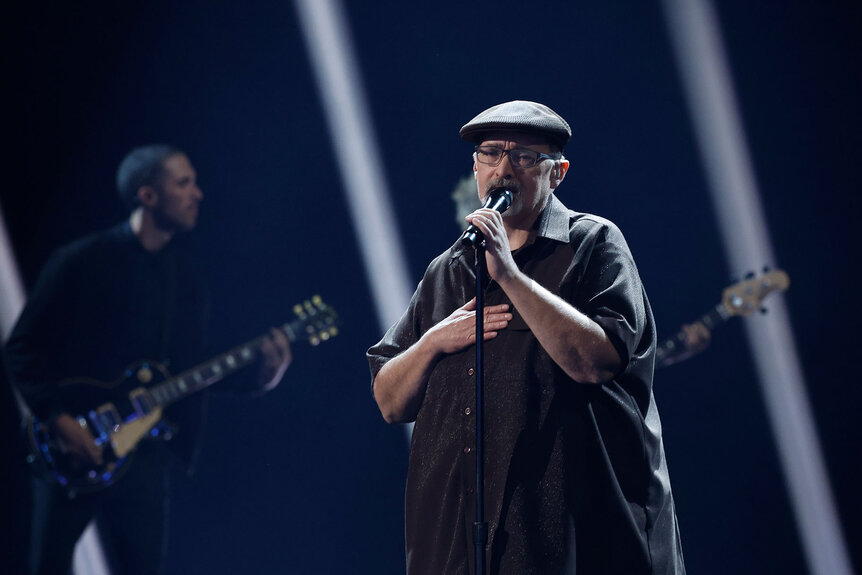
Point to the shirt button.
(468, 411)
(468, 449)
(470, 371)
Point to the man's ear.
(148, 196)
(558, 172)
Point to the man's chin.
(188, 223)
(180, 227)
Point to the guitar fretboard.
(314, 324)
(205, 374)
(676, 344)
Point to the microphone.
(498, 200)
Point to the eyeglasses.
(519, 157)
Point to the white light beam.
(335, 70)
(736, 201)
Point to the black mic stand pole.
(480, 528)
(499, 200)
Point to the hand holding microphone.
(498, 200)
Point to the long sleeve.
(39, 331)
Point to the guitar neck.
(213, 370)
(715, 317)
(677, 344)
(742, 298)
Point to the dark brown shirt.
(575, 474)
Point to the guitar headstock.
(315, 322)
(745, 297)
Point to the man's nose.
(505, 169)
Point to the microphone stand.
(480, 527)
(499, 199)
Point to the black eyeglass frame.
(539, 156)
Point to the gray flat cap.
(519, 116)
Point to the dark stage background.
(310, 479)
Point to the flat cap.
(519, 116)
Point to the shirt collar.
(552, 223)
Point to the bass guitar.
(740, 299)
(141, 396)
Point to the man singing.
(575, 474)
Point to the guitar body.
(130, 409)
(117, 425)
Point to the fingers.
(276, 358)
(493, 313)
(496, 309)
(488, 221)
(481, 224)
(91, 450)
(267, 347)
(493, 322)
(696, 335)
(492, 329)
(95, 452)
(276, 348)
(471, 306)
(485, 215)
(497, 322)
(702, 331)
(458, 331)
(77, 440)
(282, 344)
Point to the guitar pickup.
(141, 401)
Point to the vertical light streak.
(353, 142)
(11, 287)
(89, 557)
(736, 201)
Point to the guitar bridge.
(105, 420)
